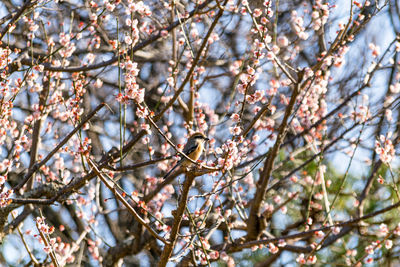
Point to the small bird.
(193, 149)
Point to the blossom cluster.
(385, 149)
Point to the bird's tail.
(168, 173)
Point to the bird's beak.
(207, 139)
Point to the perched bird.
(193, 149)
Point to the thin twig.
(114, 59)
(47, 244)
(17, 16)
(55, 150)
(124, 202)
(33, 258)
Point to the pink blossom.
(272, 248)
(369, 249)
(319, 234)
(301, 259)
(224, 256)
(257, 12)
(385, 149)
(235, 130)
(283, 41)
(375, 49)
(312, 259)
(214, 255)
(388, 244)
(336, 230)
(395, 88)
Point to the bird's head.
(199, 136)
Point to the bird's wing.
(188, 150)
